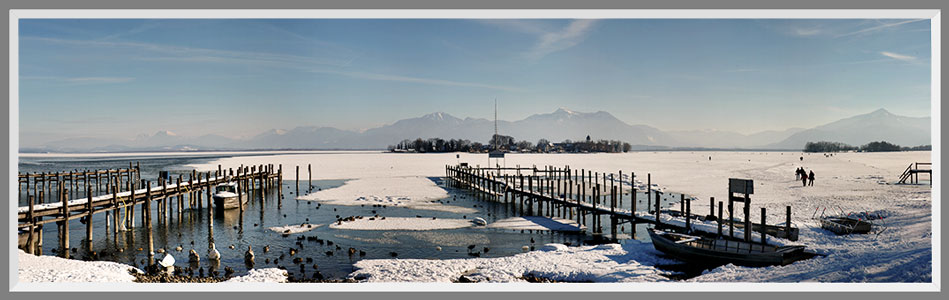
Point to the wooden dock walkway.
(573, 194)
(125, 191)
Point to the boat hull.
(708, 251)
(228, 202)
(844, 225)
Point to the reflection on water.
(326, 250)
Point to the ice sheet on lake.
(396, 223)
(414, 192)
(537, 223)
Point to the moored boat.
(845, 225)
(226, 196)
(708, 251)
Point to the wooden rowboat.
(719, 251)
(845, 225)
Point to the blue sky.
(122, 78)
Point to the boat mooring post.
(688, 214)
(763, 228)
(787, 223)
(720, 222)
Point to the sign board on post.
(496, 154)
(741, 186)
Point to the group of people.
(805, 177)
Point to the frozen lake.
(850, 182)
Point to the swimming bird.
(266, 248)
(470, 247)
(213, 254)
(193, 256)
(393, 254)
(525, 248)
(179, 248)
(168, 261)
(532, 240)
(231, 246)
(249, 256)
(438, 248)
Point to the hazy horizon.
(123, 78)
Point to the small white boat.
(479, 221)
(226, 196)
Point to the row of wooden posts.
(250, 179)
(564, 191)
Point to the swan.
(168, 261)
(213, 254)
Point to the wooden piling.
(148, 222)
(688, 214)
(787, 222)
(764, 227)
(64, 229)
(720, 221)
(309, 172)
(88, 218)
(31, 240)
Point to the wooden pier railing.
(167, 194)
(576, 194)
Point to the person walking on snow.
(811, 177)
(804, 179)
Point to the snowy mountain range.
(559, 125)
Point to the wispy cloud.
(203, 55)
(882, 26)
(549, 40)
(99, 79)
(806, 31)
(400, 78)
(209, 55)
(80, 80)
(898, 56)
(570, 36)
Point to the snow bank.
(412, 192)
(291, 229)
(262, 275)
(537, 223)
(634, 262)
(394, 223)
(34, 268)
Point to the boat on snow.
(706, 251)
(226, 196)
(844, 225)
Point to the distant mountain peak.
(166, 133)
(881, 112)
(438, 116)
(564, 110)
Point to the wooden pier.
(579, 194)
(118, 192)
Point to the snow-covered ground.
(536, 223)
(46, 268)
(262, 275)
(634, 262)
(414, 192)
(395, 223)
(290, 229)
(850, 182)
